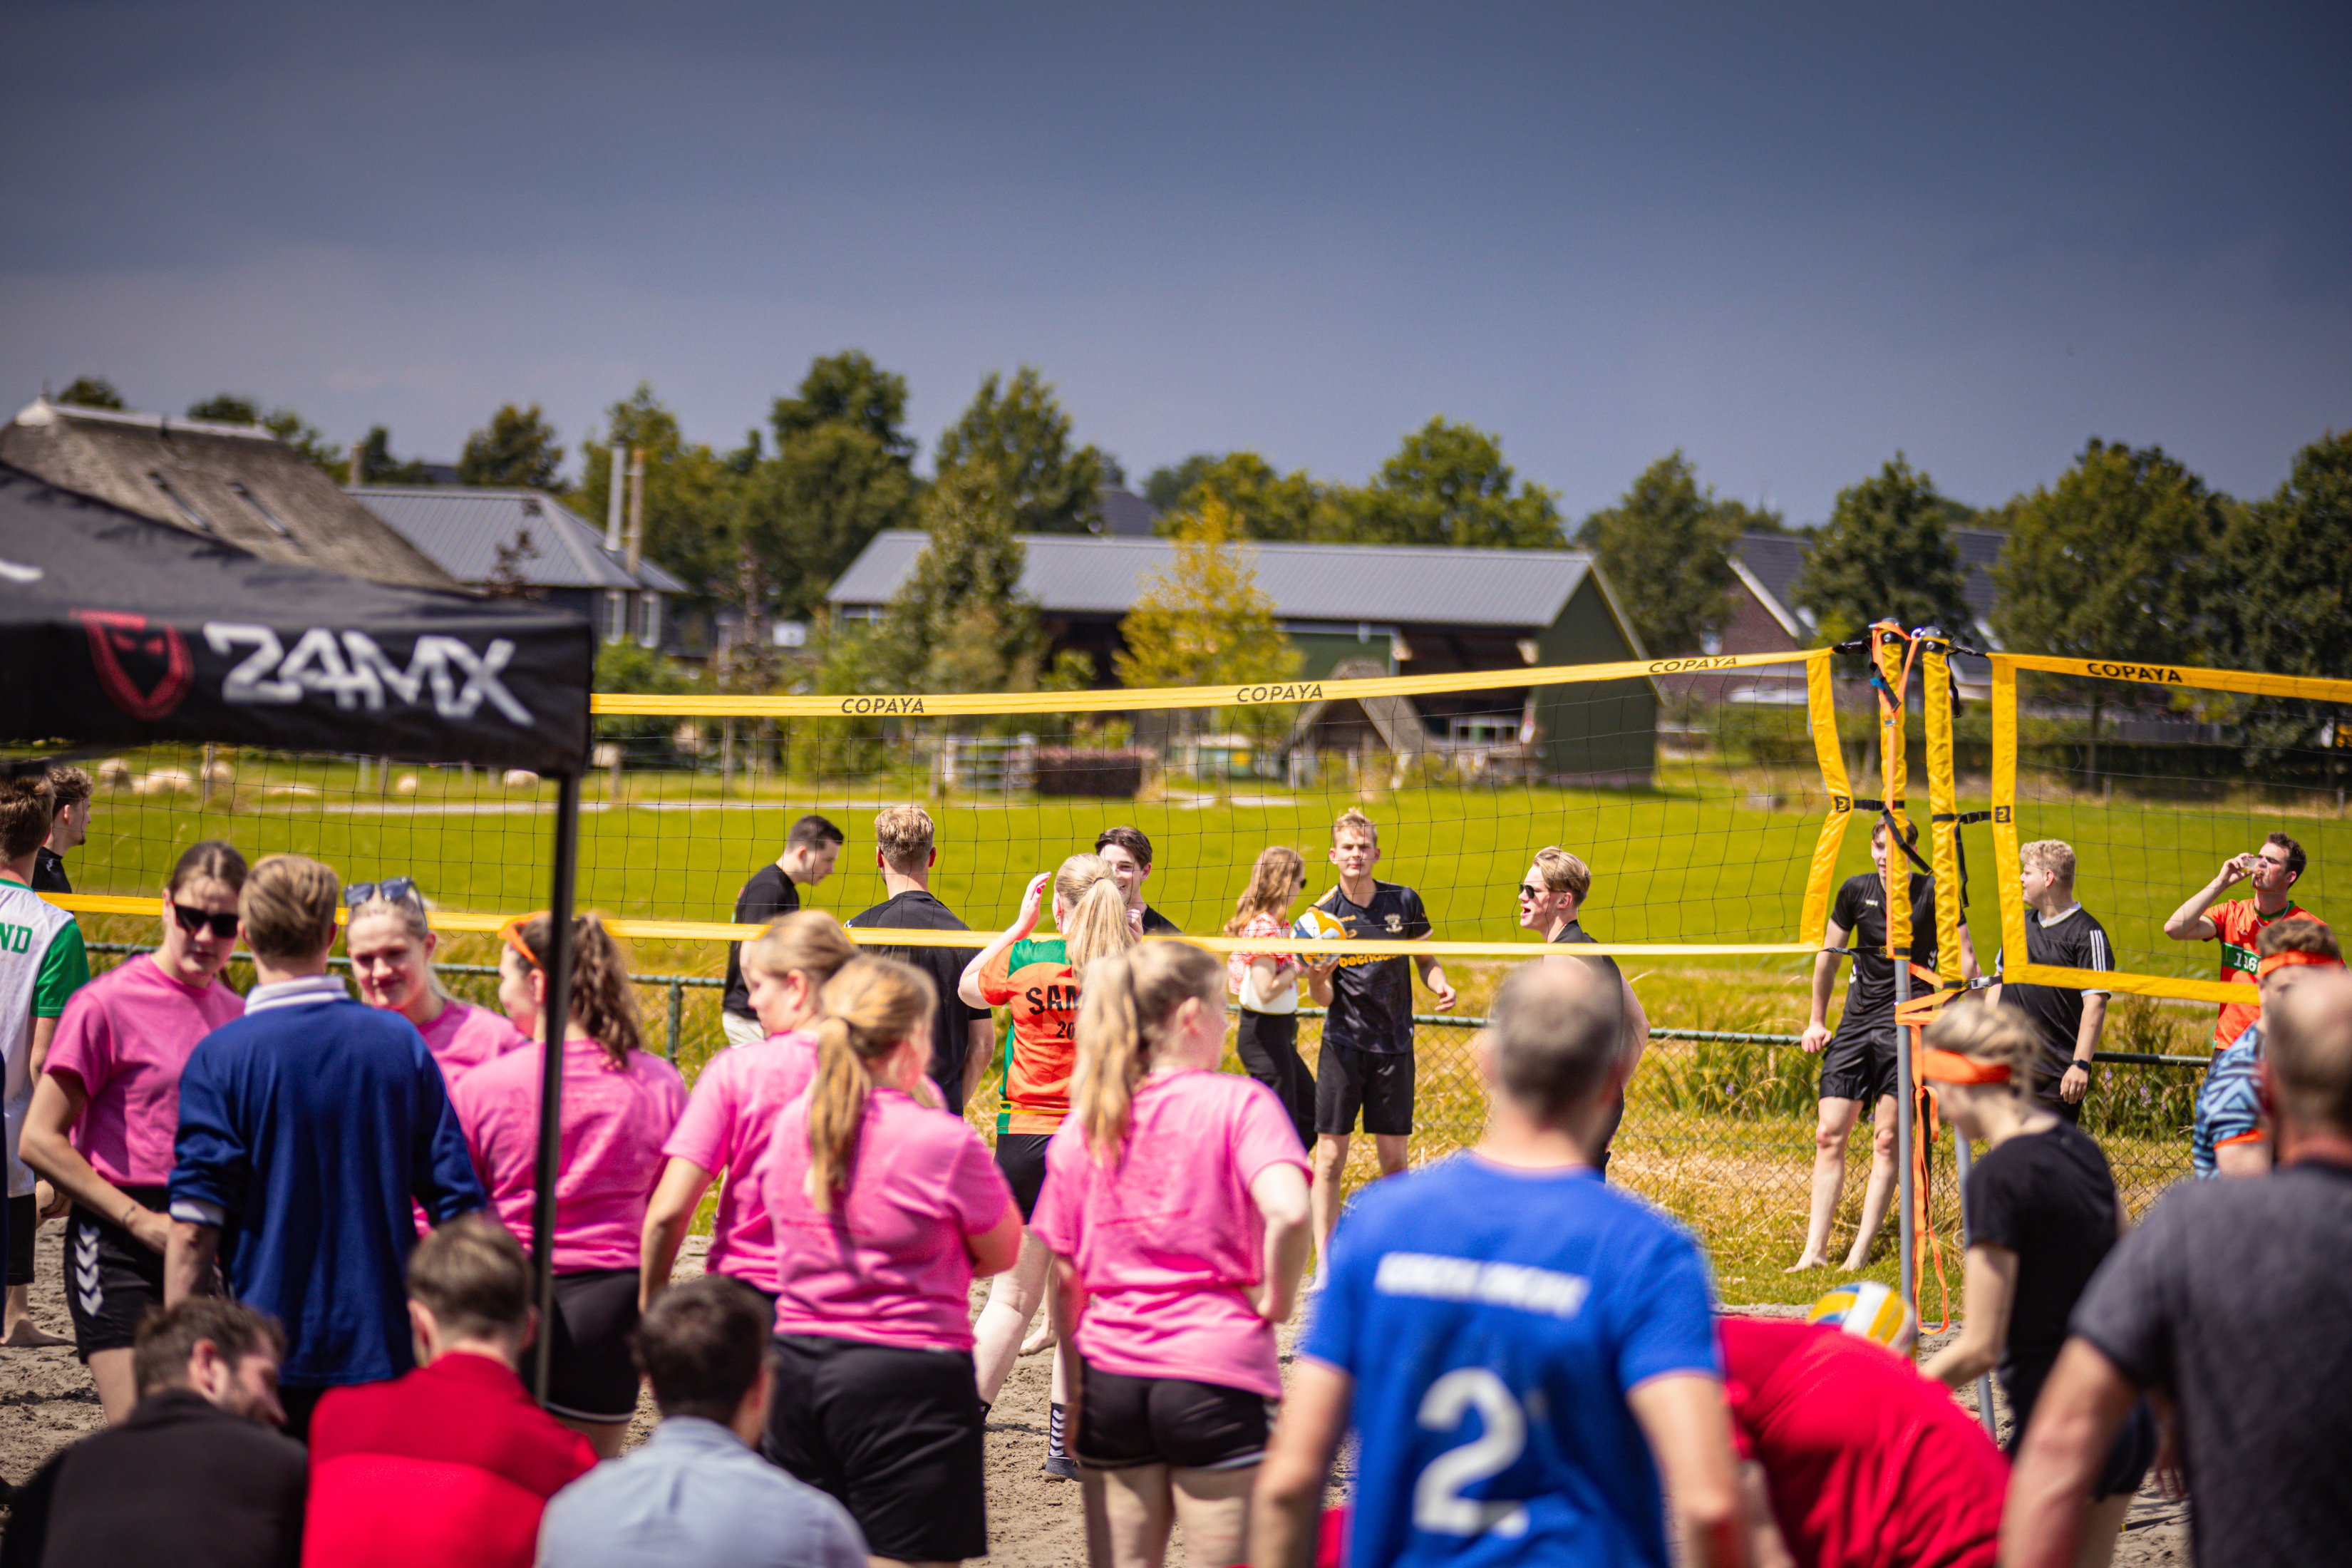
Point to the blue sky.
(1788, 244)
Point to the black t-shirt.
(2073, 940)
(917, 910)
(49, 871)
(2049, 1198)
(1862, 912)
(1371, 998)
(768, 894)
(1574, 933)
(180, 1481)
(1157, 924)
(2231, 1297)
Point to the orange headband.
(1951, 1066)
(512, 932)
(2278, 961)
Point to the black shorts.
(893, 1433)
(23, 1219)
(589, 1376)
(112, 1282)
(1022, 1157)
(1378, 1083)
(1859, 1063)
(1127, 1421)
(2129, 1457)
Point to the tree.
(91, 392)
(1170, 487)
(1206, 622)
(1446, 485)
(520, 450)
(1666, 549)
(693, 496)
(958, 623)
(1019, 432)
(847, 388)
(1885, 553)
(843, 473)
(2288, 605)
(227, 409)
(1265, 504)
(379, 467)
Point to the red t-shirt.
(2237, 926)
(451, 1464)
(1869, 1465)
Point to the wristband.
(128, 1210)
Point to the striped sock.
(1056, 1425)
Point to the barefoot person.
(42, 963)
(732, 1114)
(1173, 1309)
(109, 1102)
(620, 1102)
(1365, 1064)
(2271, 872)
(2044, 1213)
(1858, 1062)
(1267, 986)
(1037, 978)
(1551, 904)
(884, 1209)
(391, 942)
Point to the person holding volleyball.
(1267, 986)
(883, 1209)
(620, 1102)
(732, 1114)
(1176, 1209)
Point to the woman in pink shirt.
(1175, 1203)
(390, 942)
(619, 1102)
(733, 1109)
(884, 1209)
(108, 1105)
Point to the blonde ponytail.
(1126, 1002)
(870, 1006)
(1097, 922)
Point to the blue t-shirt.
(309, 1125)
(2230, 1104)
(1494, 1321)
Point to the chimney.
(359, 463)
(636, 507)
(612, 504)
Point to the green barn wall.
(1607, 728)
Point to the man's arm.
(1767, 1547)
(1682, 1414)
(1825, 962)
(1633, 1038)
(43, 1031)
(1286, 1509)
(2080, 1409)
(2077, 1081)
(188, 1259)
(2189, 922)
(979, 1038)
(1433, 976)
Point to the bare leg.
(605, 1436)
(2096, 1547)
(1213, 1508)
(1012, 1298)
(1390, 1149)
(1129, 1512)
(22, 1332)
(117, 1387)
(1879, 1195)
(1829, 1179)
(1323, 1197)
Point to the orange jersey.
(1041, 1049)
(2238, 926)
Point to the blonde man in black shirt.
(2061, 932)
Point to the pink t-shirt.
(464, 1037)
(126, 1036)
(726, 1128)
(614, 1119)
(889, 1265)
(1168, 1240)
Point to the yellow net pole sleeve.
(1820, 880)
(1943, 807)
(2014, 962)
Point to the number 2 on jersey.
(1438, 1505)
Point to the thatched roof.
(237, 483)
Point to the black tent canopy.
(115, 629)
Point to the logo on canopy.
(145, 669)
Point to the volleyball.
(1868, 1308)
(1316, 925)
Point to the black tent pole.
(558, 1020)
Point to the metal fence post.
(1960, 1155)
(677, 1009)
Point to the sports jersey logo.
(1396, 925)
(120, 644)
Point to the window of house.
(262, 512)
(649, 618)
(616, 616)
(196, 519)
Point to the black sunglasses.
(392, 891)
(1526, 890)
(193, 921)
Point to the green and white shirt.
(42, 963)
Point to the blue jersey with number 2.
(1493, 1321)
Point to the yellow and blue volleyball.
(1875, 1311)
(1317, 925)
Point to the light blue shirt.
(695, 1494)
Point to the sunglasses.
(193, 921)
(1526, 890)
(392, 891)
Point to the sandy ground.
(46, 1401)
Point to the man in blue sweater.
(305, 1127)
